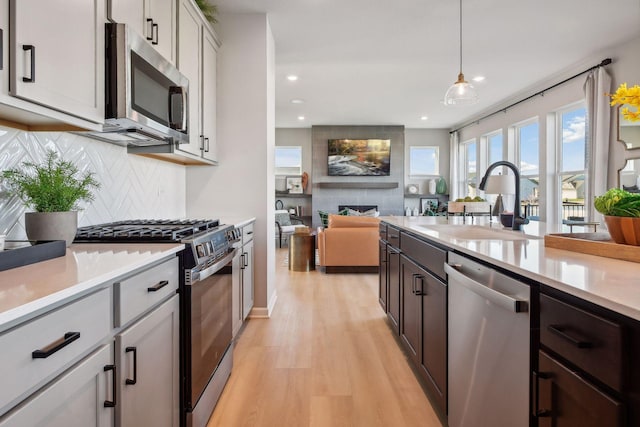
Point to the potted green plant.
(53, 189)
(621, 211)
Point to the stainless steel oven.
(207, 338)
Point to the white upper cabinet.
(197, 60)
(209, 77)
(153, 19)
(190, 64)
(57, 55)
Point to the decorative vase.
(432, 186)
(441, 187)
(623, 229)
(51, 226)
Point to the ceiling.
(382, 62)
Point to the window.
(528, 159)
(424, 161)
(494, 144)
(288, 161)
(572, 161)
(468, 167)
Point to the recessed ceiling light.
(300, 117)
(423, 117)
(478, 78)
(292, 77)
(297, 101)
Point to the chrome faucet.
(518, 219)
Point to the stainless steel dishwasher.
(489, 329)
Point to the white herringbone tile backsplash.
(131, 186)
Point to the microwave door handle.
(182, 125)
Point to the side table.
(302, 252)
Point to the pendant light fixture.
(462, 92)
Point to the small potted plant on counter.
(621, 211)
(53, 189)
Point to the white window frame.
(436, 154)
(287, 170)
(487, 141)
(464, 176)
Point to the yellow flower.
(628, 96)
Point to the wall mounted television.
(359, 157)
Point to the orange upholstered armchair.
(349, 245)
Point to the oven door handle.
(210, 271)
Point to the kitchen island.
(558, 347)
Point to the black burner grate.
(144, 230)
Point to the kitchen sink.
(477, 232)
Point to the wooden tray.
(599, 244)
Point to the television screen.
(359, 157)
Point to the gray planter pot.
(51, 225)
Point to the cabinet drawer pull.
(161, 284)
(32, 49)
(59, 344)
(111, 403)
(1, 48)
(133, 350)
(559, 331)
(149, 29)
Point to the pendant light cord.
(460, 36)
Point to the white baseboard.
(264, 312)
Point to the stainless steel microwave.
(146, 96)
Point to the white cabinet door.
(247, 279)
(189, 63)
(155, 20)
(61, 69)
(160, 18)
(76, 399)
(209, 63)
(148, 374)
(236, 293)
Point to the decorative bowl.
(623, 229)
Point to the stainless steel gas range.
(206, 348)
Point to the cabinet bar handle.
(149, 29)
(206, 140)
(421, 291)
(154, 29)
(559, 331)
(55, 346)
(161, 284)
(537, 412)
(246, 259)
(111, 403)
(32, 49)
(201, 142)
(133, 350)
(1, 48)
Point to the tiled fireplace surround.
(325, 198)
(131, 186)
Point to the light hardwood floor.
(325, 358)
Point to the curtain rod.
(541, 92)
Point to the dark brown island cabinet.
(416, 306)
(588, 371)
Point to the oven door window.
(150, 91)
(210, 327)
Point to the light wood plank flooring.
(324, 358)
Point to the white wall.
(132, 187)
(243, 185)
(427, 137)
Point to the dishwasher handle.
(505, 301)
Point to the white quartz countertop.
(237, 221)
(608, 282)
(27, 291)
